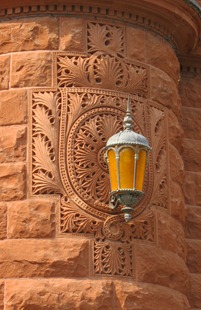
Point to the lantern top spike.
(128, 120)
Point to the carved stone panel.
(70, 126)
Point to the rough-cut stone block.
(141, 296)
(192, 188)
(193, 222)
(190, 91)
(60, 294)
(175, 131)
(22, 258)
(31, 69)
(3, 220)
(135, 43)
(72, 34)
(161, 55)
(12, 143)
(29, 34)
(189, 187)
(171, 234)
(191, 155)
(69, 294)
(2, 295)
(164, 90)
(194, 255)
(158, 266)
(31, 218)
(195, 289)
(13, 107)
(191, 122)
(198, 189)
(12, 181)
(176, 165)
(177, 203)
(4, 72)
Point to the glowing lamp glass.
(126, 154)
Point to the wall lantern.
(126, 156)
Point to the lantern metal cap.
(128, 136)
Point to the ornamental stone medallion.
(70, 126)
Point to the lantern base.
(127, 198)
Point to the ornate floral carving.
(70, 127)
(46, 179)
(102, 71)
(106, 39)
(160, 195)
(113, 258)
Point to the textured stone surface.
(190, 91)
(31, 69)
(161, 55)
(189, 187)
(72, 34)
(191, 155)
(22, 258)
(194, 255)
(195, 291)
(29, 34)
(193, 222)
(164, 90)
(12, 143)
(2, 295)
(172, 237)
(154, 265)
(87, 294)
(176, 165)
(133, 296)
(12, 181)
(177, 202)
(175, 131)
(191, 122)
(31, 218)
(3, 220)
(135, 44)
(13, 107)
(59, 294)
(4, 72)
(198, 189)
(192, 188)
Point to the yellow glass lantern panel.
(113, 170)
(141, 165)
(126, 168)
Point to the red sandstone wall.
(190, 90)
(39, 269)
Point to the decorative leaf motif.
(46, 178)
(73, 71)
(160, 196)
(112, 258)
(143, 229)
(90, 175)
(74, 222)
(105, 39)
(102, 71)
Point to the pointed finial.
(128, 121)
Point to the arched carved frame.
(70, 125)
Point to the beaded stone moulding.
(70, 125)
